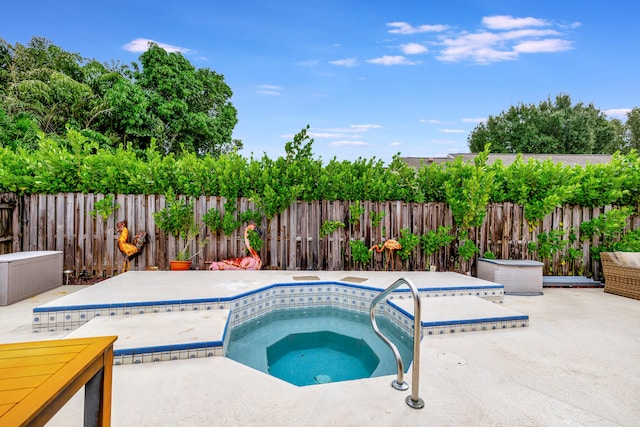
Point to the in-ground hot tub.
(317, 345)
(321, 357)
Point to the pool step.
(155, 337)
(462, 314)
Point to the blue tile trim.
(246, 294)
(460, 322)
(251, 304)
(166, 348)
(472, 321)
(450, 288)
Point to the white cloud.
(346, 62)
(435, 122)
(478, 47)
(347, 143)
(452, 131)
(546, 45)
(269, 90)
(142, 45)
(395, 144)
(365, 127)
(507, 22)
(327, 135)
(413, 48)
(503, 38)
(617, 112)
(392, 60)
(474, 120)
(353, 131)
(485, 46)
(531, 32)
(406, 28)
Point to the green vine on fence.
(547, 245)
(255, 240)
(467, 249)
(611, 228)
(434, 240)
(213, 220)
(251, 216)
(409, 242)
(177, 216)
(376, 218)
(468, 190)
(104, 208)
(355, 213)
(328, 227)
(360, 254)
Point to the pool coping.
(250, 304)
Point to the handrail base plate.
(415, 404)
(400, 386)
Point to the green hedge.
(76, 164)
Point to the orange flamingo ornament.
(390, 246)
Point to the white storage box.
(519, 277)
(24, 274)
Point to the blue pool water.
(320, 357)
(318, 345)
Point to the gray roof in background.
(507, 159)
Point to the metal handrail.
(413, 399)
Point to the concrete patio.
(577, 363)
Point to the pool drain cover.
(322, 379)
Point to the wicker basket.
(620, 279)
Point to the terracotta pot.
(180, 265)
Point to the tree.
(46, 83)
(164, 99)
(550, 127)
(5, 63)
(632, 126)
(18, 131)
(190, 108)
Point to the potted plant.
(177, 220)
(193, 245)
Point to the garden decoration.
(390, 246)
(130, 250)
(252, 262)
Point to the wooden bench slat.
(44, 359)
(31, 351)
(28, 371)
(17, 383)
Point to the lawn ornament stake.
(130, 250)
(389, 246)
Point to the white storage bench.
(24, 274)
(519, 277)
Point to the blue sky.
(372, 78)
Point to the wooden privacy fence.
(291, 240)
(8, 217)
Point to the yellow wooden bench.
(38, 378)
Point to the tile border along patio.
(577, 363)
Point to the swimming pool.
(315, 345)
(236, 301)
